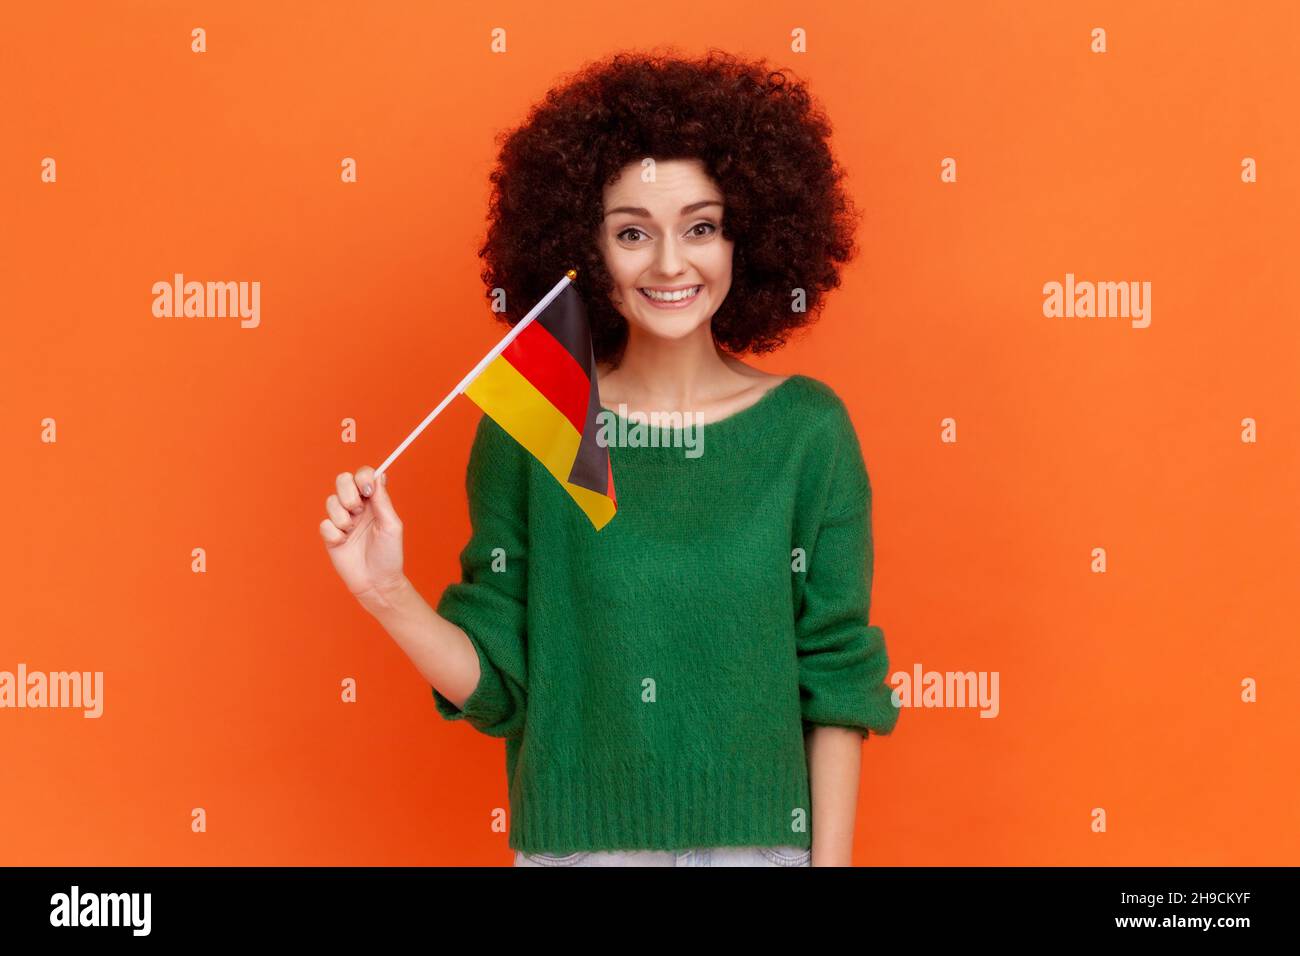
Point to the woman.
(688, 685)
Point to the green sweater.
(652, 680)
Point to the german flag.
(541, 389)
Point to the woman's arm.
(843, 664)
(440, 650)
(834, 765)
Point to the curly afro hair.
(761, 139)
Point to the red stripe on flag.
(551, 369)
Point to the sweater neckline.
(766, 402)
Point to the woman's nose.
(670, 257)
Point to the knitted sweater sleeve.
(489, 602)
(842, 657)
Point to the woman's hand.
(363, 537)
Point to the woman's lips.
(679, 304)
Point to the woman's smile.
(678, 297)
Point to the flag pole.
(497, 349)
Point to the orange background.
(1118, 690)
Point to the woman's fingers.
(348, 503)
(365, 480)
(331, 533)
(349, 495)
(385, 514)
(339, 515)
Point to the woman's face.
(665, 237)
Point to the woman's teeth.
(679, 296)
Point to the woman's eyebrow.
(638, 211)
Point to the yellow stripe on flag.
(531, 419)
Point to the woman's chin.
(671, 327)
(672, 323)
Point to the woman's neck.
(685, 375)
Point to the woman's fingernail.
(365, 490)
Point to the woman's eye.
(697, 231)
